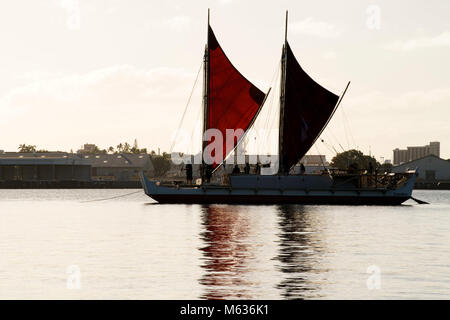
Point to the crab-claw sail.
(233, 102)
(307, 109)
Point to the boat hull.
(242, 191)
(249, 199)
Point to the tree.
(27, 148)
(160, 165)
(126, 147)
(111, 149)
(344, 159)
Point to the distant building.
(314, 164)
(63, 166)
(413, 153)
(431, 169)
(118, 167)
(314, 160)
(88, 148)
(44, 167)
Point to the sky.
(105, 72)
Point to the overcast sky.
(105, 72)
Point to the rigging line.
(336, 141)
(335, 138)
(265, 133)
(270, 114)
(345, 130)
(328, 138)
(244, 134)
(115, 197)
(185, 109)
(256, 134)
(197, 119)
(329, 147)
(334, 110)
(349, 127)
(321, 159)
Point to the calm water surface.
(132, 248)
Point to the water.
(128, 247)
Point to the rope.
(115, 197)
(185, 109)
(347, 130)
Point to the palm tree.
(27, 148)
(126, 147)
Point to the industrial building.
(433, 171)
(414, 153)
(41, 169)
(62, 169)
(118, 167)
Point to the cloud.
(111, 86)
(103, 105)
(441, 40)
(178, 23)
(312, 27)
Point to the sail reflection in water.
(301, 252)
(239, 247)
(278, 249)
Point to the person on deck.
(247, 168)
(236, 170)
(370, 170)
(302, 168)
(208, 173)
(258, 168)
(189, 173)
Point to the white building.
(414, 153)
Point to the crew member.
(247, 168)
(302, 168)
(189, 173)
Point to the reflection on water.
(226, 253)
(128, 250)
(231, 254)
(301, 247)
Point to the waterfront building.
(431, 169)
(413, 153)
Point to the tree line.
(120, 148)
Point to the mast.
(281, 168)
(205, 93)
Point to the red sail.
(233, 100)
(307, 109)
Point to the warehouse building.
(433, 171)
(45, 167)
(117, 167)
(59, 169)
